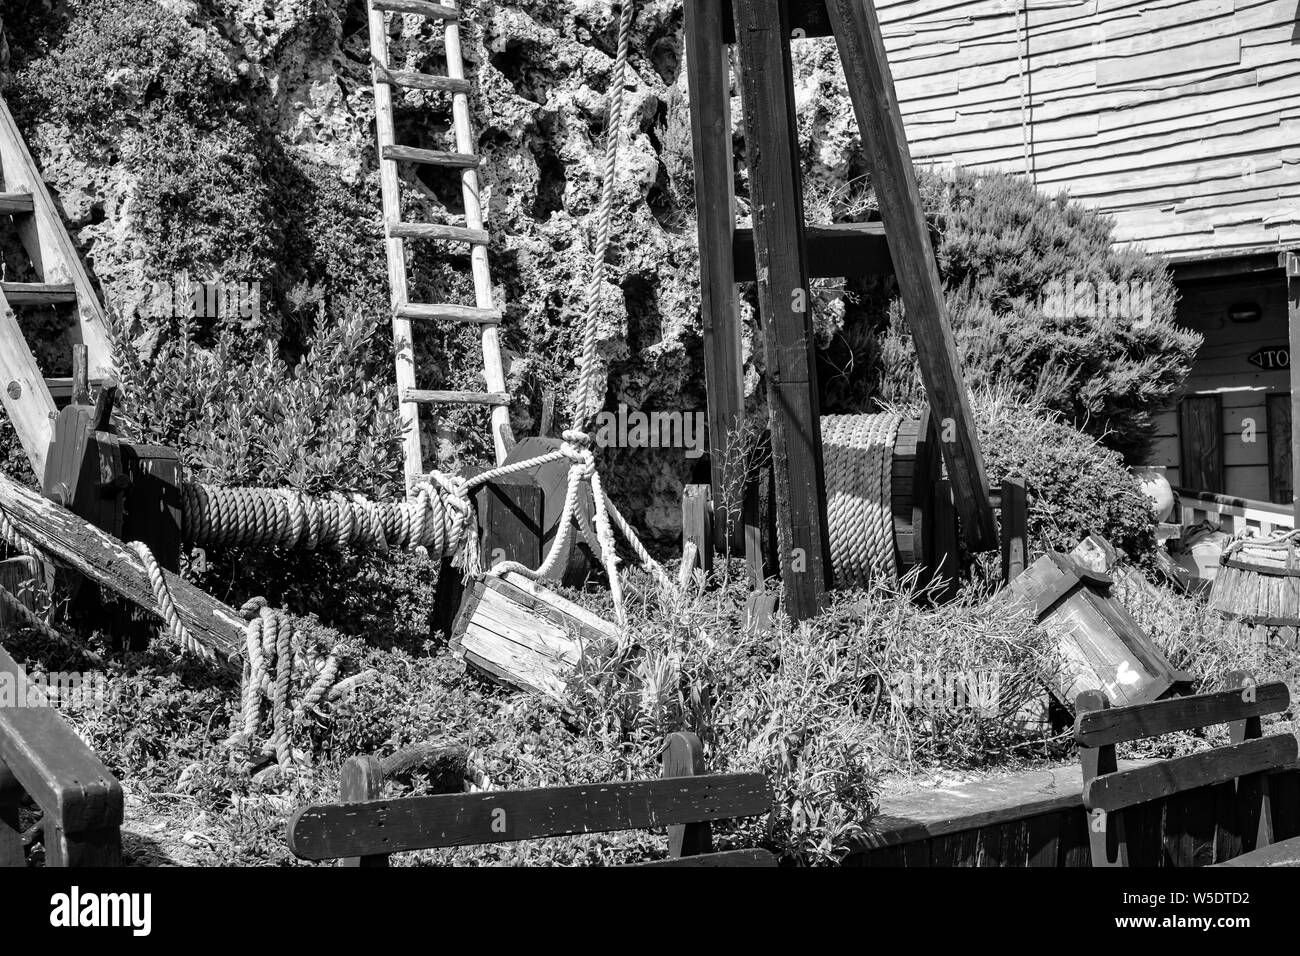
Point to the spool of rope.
(859, 452)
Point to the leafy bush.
(328, 423)
(1006, 253)
(1075, 485)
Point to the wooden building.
(1181, 118)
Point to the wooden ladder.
(483, 313)
(61, 281)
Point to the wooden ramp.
(61, 282)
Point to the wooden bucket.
(1259, 582)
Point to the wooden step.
(427, 397)
(412, 80)
(39, 293)
(431, 157)
(431, 230)
(13, 204)
(434, 11)
(449, 313)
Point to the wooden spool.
(915, 468)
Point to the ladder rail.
(395, 248)
(493, 368)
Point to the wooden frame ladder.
(62, 280)
(396, 231)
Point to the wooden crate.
(523, 634)
(1102, 647)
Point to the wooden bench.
(1236, 774)
(40, 754)
(363, 832)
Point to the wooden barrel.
(1259, 581)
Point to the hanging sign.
(1276, 357)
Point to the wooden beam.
(708, 79)
(889, 161)
(846, 249)
(1292, 262)
(771, 145)
(26, 398)
(324, 832)
(104, 559)
(807, 19)
(51, 762)
(697, 525)
(1117, 725)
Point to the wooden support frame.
(772, 150)
(1291, 261)
(708, 78)
(26, 397)
(889, 160)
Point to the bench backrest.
(1241, 767)
(684, 800)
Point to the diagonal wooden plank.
(48, 244)
(26, 397)
(69, 540)
(871, 87)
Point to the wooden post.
(771, 145)
(945, 563)
(1105, 830)
(871, 87)
(361, 779)
(697, 525)
(1015, 518)
(684, 757)
(1292, 263)
(708, 79)
(1254, 801)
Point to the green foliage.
(1075, 485)
(119, 65)
(329, 422)
(1001, 245)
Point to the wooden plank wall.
(1179, 117)
(1222, 368)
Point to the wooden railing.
(1232, 514)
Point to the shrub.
(1001, 247)
(1075, 486)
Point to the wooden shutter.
(1200, 441)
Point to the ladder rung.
(435, 11)
(39, 293)
(15, 203)
(454, 398)
(451, 313)
(430, 157)
(420, 81)
(431, 230)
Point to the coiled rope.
(859, 456)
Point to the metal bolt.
(15, 390)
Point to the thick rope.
(859, 455)
(589, 395)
